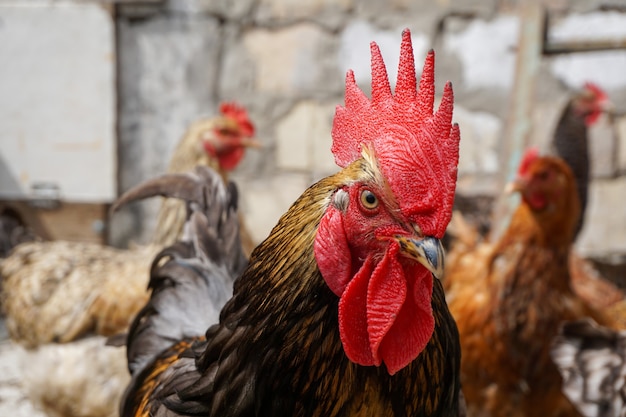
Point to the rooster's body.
(571, 143)
(258, 350)
(337, 313)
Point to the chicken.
(509, 298)
(337, 313)
(587, 283)
(59, 291)
(234, 134)
(592, 361)
(570, 141)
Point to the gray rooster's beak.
(426, 250)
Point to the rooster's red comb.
(417, 151)
(240, 115)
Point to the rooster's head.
(377, 245)
(590, 103)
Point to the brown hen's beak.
(517, 185)
(427, 250)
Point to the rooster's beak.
(426, 250)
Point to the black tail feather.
(192, 279)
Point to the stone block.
(605, 223)
(328, 13)
(264, 200)
(486, 50)
(237, 67)
(303, 138)
(293, 61)
(480, 133)
(232, 10)
(355, 54)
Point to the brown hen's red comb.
(530, 156)
(417, 151)
(240, 115)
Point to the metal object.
(45, 195)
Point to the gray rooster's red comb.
(417, 151)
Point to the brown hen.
(509, 299)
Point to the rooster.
(592, 361)
(62, 291)
(509, 298)
(570, 140)
(337, 313)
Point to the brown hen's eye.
(369, 200)
(543, 175)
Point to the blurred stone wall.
(286, 60)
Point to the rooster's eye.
(369, 200)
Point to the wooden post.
(518, 125)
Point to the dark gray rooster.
(192, 279)
(570, 140)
